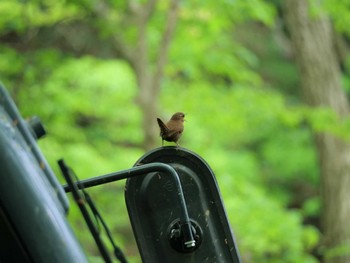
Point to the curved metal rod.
(189, 241)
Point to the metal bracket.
(186, 230)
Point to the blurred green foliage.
(238, 91)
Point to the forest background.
(99, 72)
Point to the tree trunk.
(321, 87)
(149, 73)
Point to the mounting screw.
(176, 237)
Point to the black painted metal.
(188, 239)
(153, 209)
(33, 226)
(79, 199)
(20, 125)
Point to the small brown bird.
(172, 130)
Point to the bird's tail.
(163, 128)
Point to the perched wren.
(172, 130)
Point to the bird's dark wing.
(163, 128)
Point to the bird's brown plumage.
(172, 130)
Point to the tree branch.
(144, 11)
(143, 14)
(165, 44)
(124, 51)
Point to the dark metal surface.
(153, 209)
(15, 120)
(32, 212)
(79, 199)
(186, 234)
(36, 127)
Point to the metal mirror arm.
(189, 241)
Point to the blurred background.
(267, 113)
